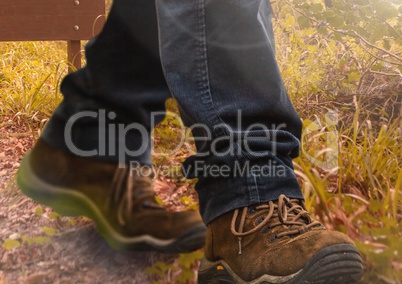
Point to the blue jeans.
(217, 59)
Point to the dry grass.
(360, 194)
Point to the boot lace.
(288, 212)
(128, 191)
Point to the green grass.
(29, 79)
(362, 195)
(358, 192)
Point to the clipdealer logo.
(112, 137)
(326, 158)
(112, 141)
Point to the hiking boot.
(121, 203)
(277, 242)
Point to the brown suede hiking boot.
(122, 204)
(277, 242)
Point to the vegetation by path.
(342, 66)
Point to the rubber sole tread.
(337, 264)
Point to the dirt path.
(49, 248)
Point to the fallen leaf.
(10, 244)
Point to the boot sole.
(68, 202)
(337, 264)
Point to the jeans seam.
(203, 82)
(203, 85)
(254, 194)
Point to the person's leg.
(123, 77)
(81, 163)
(219, 61)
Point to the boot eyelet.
(273, 239)
(265, 230)
(251, 211)
(259, 221)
